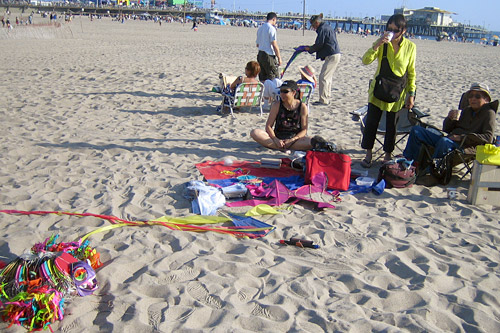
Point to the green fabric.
(403, 61)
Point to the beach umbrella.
(189, 17)
(484, 39)
(495, 37)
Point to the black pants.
(268, 66)
(371, 124)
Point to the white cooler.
(485, 185)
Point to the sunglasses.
(285, 91)
(396, 31)
(476, 96)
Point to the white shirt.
(266, 34)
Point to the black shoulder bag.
(388, 86)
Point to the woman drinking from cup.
(393, 87)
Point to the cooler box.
(484, 185)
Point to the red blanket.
(215, 170)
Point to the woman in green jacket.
(401, 54)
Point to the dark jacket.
(478, 127)
(326, 42)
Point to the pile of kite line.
(33, 287)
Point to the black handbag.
(388, 86)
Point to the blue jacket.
(326, 42)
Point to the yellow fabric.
(488, 154)
(402, 62)
(262, 209)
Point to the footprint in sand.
(74, 326)
(156, 314)
(180, 275)
(200, 293)
(270, 312)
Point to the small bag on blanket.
(336, 166)
(397, 173)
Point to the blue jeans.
(419, 135)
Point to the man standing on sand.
(269, 57)
(326, 48)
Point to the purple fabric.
(277, 194)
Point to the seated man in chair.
(474, 126)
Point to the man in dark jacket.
(326, 48)
(475, 125)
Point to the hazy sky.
(480, 12)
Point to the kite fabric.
(185, 223)
(298, 50)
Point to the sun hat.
(479, 87)
(290, 84)
(308, 72)
(315, 17)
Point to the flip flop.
(366, 164)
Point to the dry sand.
(110, 118)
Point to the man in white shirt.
(269, 57)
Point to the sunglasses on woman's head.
(285, 91)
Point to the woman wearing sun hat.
(308, 75)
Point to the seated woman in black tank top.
(289, 119)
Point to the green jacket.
(401, 63)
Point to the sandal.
(366, 164)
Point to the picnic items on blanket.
(205, 199)
(398, 173)
(34, 286)
(337, 168)
(237, 190)
(488, 154)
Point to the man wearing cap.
(269, 57)
(474, 126)
(326, 48)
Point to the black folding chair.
(407, 119)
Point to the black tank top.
(288, 121)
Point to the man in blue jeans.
(474, 125)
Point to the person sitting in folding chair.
(228, 84)
(473, 126)
(252, 70)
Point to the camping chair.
(458, 156)
(306, 90)
(245, 95)
(464, 156)
(407, 119)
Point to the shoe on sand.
(366, 164)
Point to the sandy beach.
(111, 118)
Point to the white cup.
(390, 35)
(452, 193)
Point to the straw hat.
(308, 72)
(479, 87)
